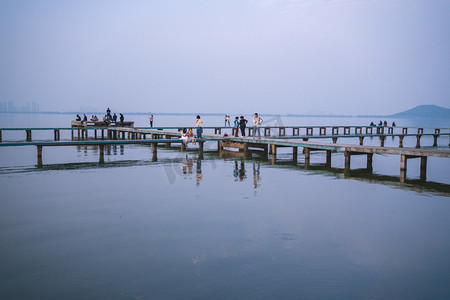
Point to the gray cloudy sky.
(271, 56)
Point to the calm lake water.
(219, 228)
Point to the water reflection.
(256, 172)
(239, 171)
(198, 172)
(183, 166)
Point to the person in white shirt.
(199, 125)
(257, 121)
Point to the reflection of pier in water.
(188, 165)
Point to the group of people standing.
(382, 124)
(241, 123)
(108, 118)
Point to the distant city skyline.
(11, 106)
(271, 56)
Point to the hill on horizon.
(425, 111)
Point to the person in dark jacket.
(121, 119)
(242, 125)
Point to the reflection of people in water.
(187, 165)
(256, 174)
(242, 171)
(239, 172)
(198, 172)
(236, 170)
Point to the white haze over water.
(279, 56)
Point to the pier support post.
(335, 140)
(295, 131)
(419, 130)
(200, 150)
(400, 141)
(266, 131)
(57, 135)
(435, 137)
(101, 150)
(403, 162)
(95, 133)
(0, 136)
(423, 168)
(347, 156)
(328, 160)
(403, 165)
(369, 161)
(295, 154)
(418, 141)
(282, 131)
(103, 134)
(245, 150)
(183, 146)
(405, 130)
(361, 140)
(309, 131)
(322, 131)
(307, 152)
(39, 155)
(346, 130)
(71, 133)
(274, 151)
(168, 137)
(28, 135)
(335, 130)
(382, 138)
(369, 130)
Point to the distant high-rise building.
(34, 106)
(11, 106)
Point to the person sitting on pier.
(84, 118)
(114, 118)
(372, 124)
(108, 113)
(78, 118)
(184, 137)
(236, 126)
(385, 123)
(242, 125)
(393, 124)
(106, 120)
(190, 135)
(94, 118)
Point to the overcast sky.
(243, 56)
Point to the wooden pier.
(247, 145)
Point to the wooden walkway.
(247, 145)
